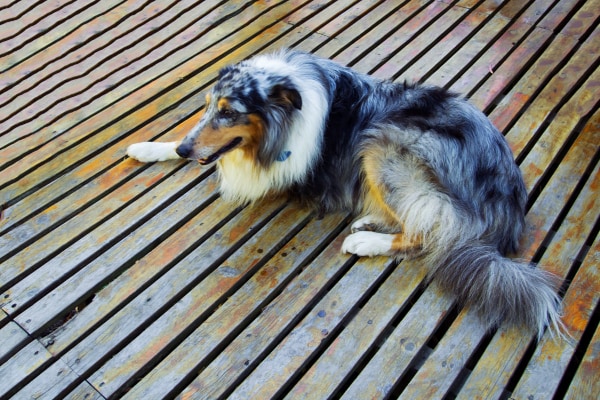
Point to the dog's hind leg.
(403, 204)
(365, 243)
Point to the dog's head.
(250, 108)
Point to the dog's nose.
(184, 150)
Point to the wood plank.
(510, 41)
(66, 243)
(550, 96)
(545, 369)
(361, 47)
(12, 336)
(30, 23)
(239, 309)
(268, 375)
(51, 29)
(19, 366)
(98, 271)
(434, 30)
(400, 38)
(100, 29)
(47, 153)
(455, 38)
(507, 347)
(510, 68)
(585, 384)
(368, 19)
(137, 303)
(582, 103)
(447, 361)
(358, 337)
(129, 59)
(402, 349)
(209, 291)
(11, 11)
(475, 48)
(313, 17)
(58, 373)
(192, 235)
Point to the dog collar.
(284, 155)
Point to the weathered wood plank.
(99, 30)
(117, 292)
(432, 31)
(578, 107)
(58, 375)
(12, 336)
(507, 347)
(487, 63)
(474, 48)
(240, 308)
(46, 155)
(458, 36)
(510, 68)
(13, 10)
(200, 298)
(545, 369)
(585, 384)
(81, 281)
(359, 336)
(402, 348)
(400, 38)
(31, 23)
(447, 361)
(66, 239)
(20, 365)
(134, 313)
(269, 374)
(369, 18)
(306, 338)
(361, 47)
(109, 73)
(577, 24)
(551, 95)
(107, 66)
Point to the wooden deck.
(119, 279)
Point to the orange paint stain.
(577, 309)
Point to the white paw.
(366, 223)
(368, 244)
(153, 151)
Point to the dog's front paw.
(367, 244)
(153, 151)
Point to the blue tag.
(284, 155)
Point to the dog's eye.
(227, 113)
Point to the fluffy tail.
(500, 289)
(153, 151)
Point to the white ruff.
(242, 181)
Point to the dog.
(426, 172)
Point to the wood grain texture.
(126, 280)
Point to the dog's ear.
(286, 95)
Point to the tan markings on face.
(223, 104)
(207, 98)
(250, 132)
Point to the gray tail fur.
(500, 289)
